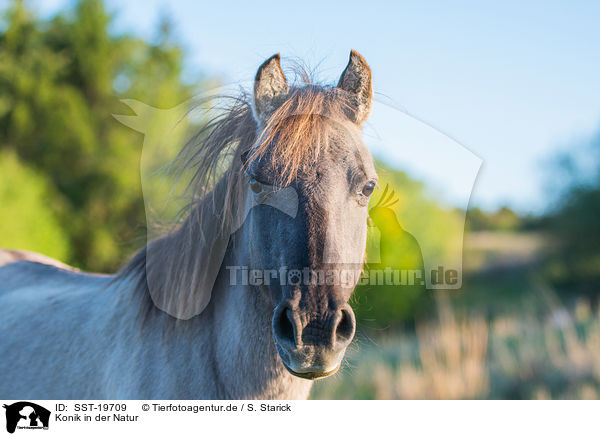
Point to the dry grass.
(453, 357)
(487, 250)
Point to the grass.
(518, 354)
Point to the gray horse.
(176, 322)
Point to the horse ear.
(356, 82)
(269, 86)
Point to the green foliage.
(60, 83)
(574, 263)
(414, 213)
(22, 191)
(576, 228)
(504, 219)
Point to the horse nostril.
(285, 328)
(344, 331)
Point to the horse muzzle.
(312, 347)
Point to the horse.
(173, 323)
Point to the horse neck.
(233, 332)
(244, 343)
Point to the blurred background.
(516, 83)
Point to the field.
(505, 335)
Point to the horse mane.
(217, 155)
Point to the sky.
(502, 84)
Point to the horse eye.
(255, 186)
(368, 189)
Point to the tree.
(60, 82)
(574, 224)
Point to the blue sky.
(512, 81)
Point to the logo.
(414, 240)
(26, 415)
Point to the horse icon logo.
(26, 415)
